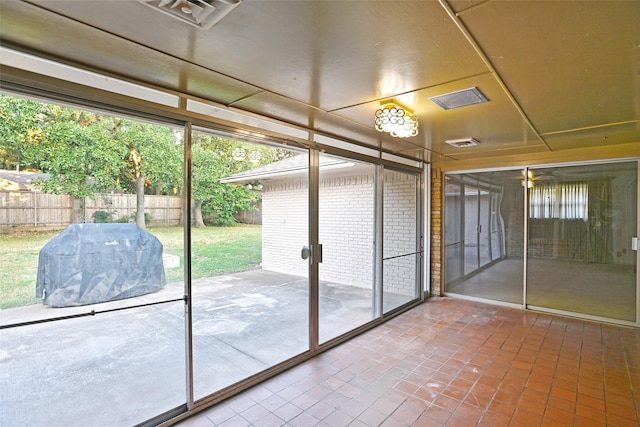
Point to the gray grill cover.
(92, 263)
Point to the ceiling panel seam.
(483, 57)
(410, 91)
(600, 126)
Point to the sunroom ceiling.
(558, 75)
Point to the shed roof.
(19, 181)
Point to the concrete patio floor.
(124, 365)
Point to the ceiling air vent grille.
(203, 14)
(461, 98)
(462, 143)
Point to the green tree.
(80, 154)
(154, 156)
(215, 158)
(21, 123)
(86, 153)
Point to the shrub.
(102, 216)
(147, 217)
(123, 219)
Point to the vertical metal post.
(426, 229)
(186, 204)
(378, 236)
(35, 208)
(526, 237)
(638, 252)
(314, 269)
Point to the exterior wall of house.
(346, 229)
(400, 225)
(285, 215)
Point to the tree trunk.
(140, 202)
(77, 211)
(197, 214)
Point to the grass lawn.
(214, 251)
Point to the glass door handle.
(634, 243)
(306, 252)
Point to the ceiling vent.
(203, 14)
(461, 98)
(462, 143)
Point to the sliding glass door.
(181, 263)
(581, 247)
(359, 279)
(582, 220)
(92, 284)
(401, 244)
(484, 235)
(250, 286)
(346, 233)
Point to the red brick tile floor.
(455, 363)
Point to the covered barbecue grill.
(93, 263)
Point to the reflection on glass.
(401, 256)
(346, 227)
(454, 227)
(472, 227)
(250, 287)
(91, 278)
(484, 237)
(581, 222)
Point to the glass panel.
(486, 208)
(346, 227)
(91, 278)
(454, 231)
(581, 221)
(484, 227)
(400, 236)
(496, 228)
(250, 286)
(471, 227)
(93, 370)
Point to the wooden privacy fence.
(41, 209)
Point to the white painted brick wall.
(399, 233)
(346, 230)
(285, 216)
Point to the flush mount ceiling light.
(396, 120)
(463, 142)
(203, 14)
(461, 98)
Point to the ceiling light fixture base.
(396, 119)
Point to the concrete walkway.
(126, 365)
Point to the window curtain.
(600, 222)
(566, 200)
